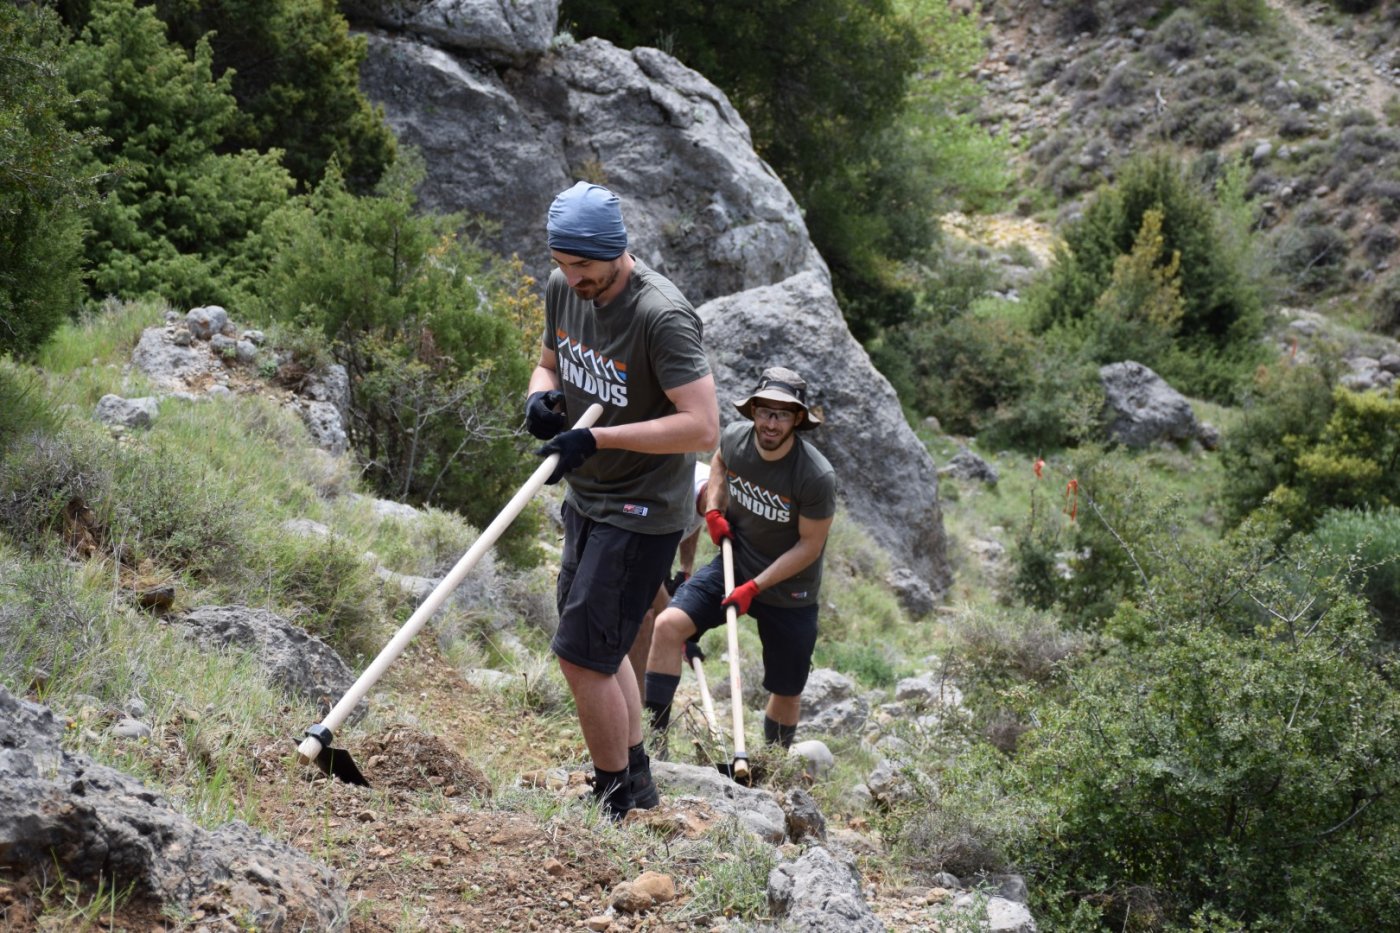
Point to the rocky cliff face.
(505, 123)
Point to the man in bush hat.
(774, 495)
(620, 334)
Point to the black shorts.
(607, 580)
(788, 633)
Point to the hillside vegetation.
(1177, 664)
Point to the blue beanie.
(586, 221)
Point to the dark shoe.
(644, 793)
(615, 799)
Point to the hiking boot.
(644, 793)
(615, 798)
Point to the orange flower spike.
(1072, 498)
(1039, 465)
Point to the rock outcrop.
(699, 204)
(93, 823)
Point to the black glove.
(675, 582)
(541, 419)
(692, 651)
(573, 447)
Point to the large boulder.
(1142, 408)
(292, 658)
(699, 204)
(495, 30)
(820, 893)
(884, 474)
(92, 823)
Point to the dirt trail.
(1357, 84)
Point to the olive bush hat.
(781, 385)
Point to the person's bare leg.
(641, 647)
(603, 716)
(672, 628)
(631, 693)
(784, 710)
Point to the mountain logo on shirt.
(591, 372)
(759, 501)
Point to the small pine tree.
(42, 183)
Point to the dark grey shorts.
(788, 634)
(607, 580)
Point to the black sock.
(775, 733)
(661, 690)
(637, 757)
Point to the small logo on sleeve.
(633, 509)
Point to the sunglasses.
(776, 415)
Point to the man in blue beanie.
(620, 334)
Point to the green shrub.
(1243, 762)
(295, 72)
(1138, 314)
(42, 184)
(24, 410)
(179, 213)
(961, 371)
(437, 340)
(1310, 256)
(1352, 463)
(47, 481)
(1367, 543)
(1221, 304)
(1385, 305)
(323, 584)
(51, 627)
(167, 506)
(1284, 413)
(1235, 15)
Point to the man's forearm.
(542, 379)
(789, 564)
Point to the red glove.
(718, 525)
(741, 597)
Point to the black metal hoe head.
(335, 762)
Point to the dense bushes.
(437, 340)
(1385, 305)
(1185, 278)
(178, 214)
(1364, 545)
(1239, 762)
(42, 185)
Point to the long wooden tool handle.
(706, 703)
(736, 693)
(311, 747)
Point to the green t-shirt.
(766, 498)
(626, 355)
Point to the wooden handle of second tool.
(311, 747)
(736, 692)
(706, 703)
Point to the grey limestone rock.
(127, 412)
(699, 204)
(1142, 408)
(294, 659)
(492, 30)
(817, 893)
(91, 822)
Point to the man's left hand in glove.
(573, 447)
(741, 597)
